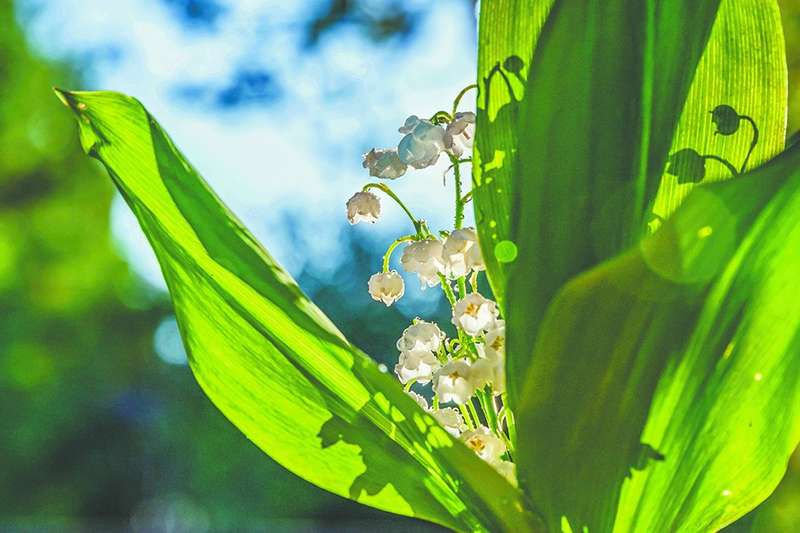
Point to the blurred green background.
(97, 432)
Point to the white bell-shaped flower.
(460, 133)
(386, 287)
(448, 417)
(421, 336)
(419, 365)
(451, 419)
(384, 163)
(474, 313)
(484, 443)
(461, 253)
(495, 340)
(453, 382)
(489, 370)
(424, 258)
(363, 206)
(421, 401)
(423, 143)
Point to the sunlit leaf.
(598, 123)
(270, 360)
(506, 40)
(664, 391)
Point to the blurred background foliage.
(102, 425)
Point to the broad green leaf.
(506, 40)
(270, 360)
(743, 66)
(606, 88)
(664, 392)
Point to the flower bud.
(386, 287)
(384, 164)
(363, 206)
(460, 134)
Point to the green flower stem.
(473, 412)
(489, 412)
(441, 355)
(459, 218)
(463, 339)
(462, 287)
(753, 143)
(388, 255)
(448, 290)
(510, 423)
(441, 117)
(418, 224)
(464, 91)
(473, 281)
(467, 417)
(725, 162)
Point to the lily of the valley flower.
(363, 206)
(421, 336)
(384, 163)
(448, 417)
(421, 401)
(496, 340)
(460, 134)
(424, 258)
(474, 314)
(484, 443)
(489, 370)
(491, 365)
(453, 382)
(461, 253)
(490, 448)
(386, 287)
(451, 419)
(423, 143)
(418, 365)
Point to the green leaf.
(664, 391)
(270, 360)
(603, 99)
(506, 40)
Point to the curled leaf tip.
(68, 99)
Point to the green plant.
(653, 357)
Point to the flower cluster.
(460, 378)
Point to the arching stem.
(725, 162)
(464, 91)
(753, 143)
(418, 224)
(388, 255)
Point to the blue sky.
(285, 166)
